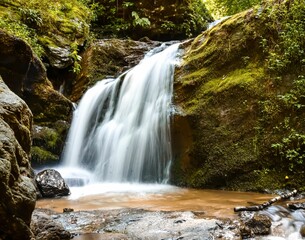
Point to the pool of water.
(214, 203)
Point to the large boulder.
(24, 73)
(17, 192)
(51, 184)
(240, 103)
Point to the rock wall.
(25, 75)
(17, 192)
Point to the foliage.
(286, 46)
(24, 32)
(31, 17)
(220, 8)
(138, 21)
(76, 58)
(291, 148)
(120, 18)
(37, 20)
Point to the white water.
(121, 129)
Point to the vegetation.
(221, 8)
(157, 20)
(38, 22)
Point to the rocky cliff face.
(24, 73)
(17, 192)
(238, 127)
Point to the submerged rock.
(17, 192)
(51, 184)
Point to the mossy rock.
(53, 29)
(231, 112)
(41, 157)
(48, 143)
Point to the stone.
(17, 191)
(51, 184)
(44, 227)
(48, 143)
(296, 205)
(256, 225)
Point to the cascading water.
(121, 129)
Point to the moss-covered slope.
(54, 29)
(241, 103)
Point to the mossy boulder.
(48, 143)
(232, 113)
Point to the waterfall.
(120, 130)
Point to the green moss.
(243, 77)
(42, 22)
(42, 156)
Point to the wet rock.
(256, 225)
(297, 205)
(44, 227)
(17, 192)
(60, 57)
(51, 184)
(68, 210)
(141, 224)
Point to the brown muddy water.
(214, 203)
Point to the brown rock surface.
(17, 192)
